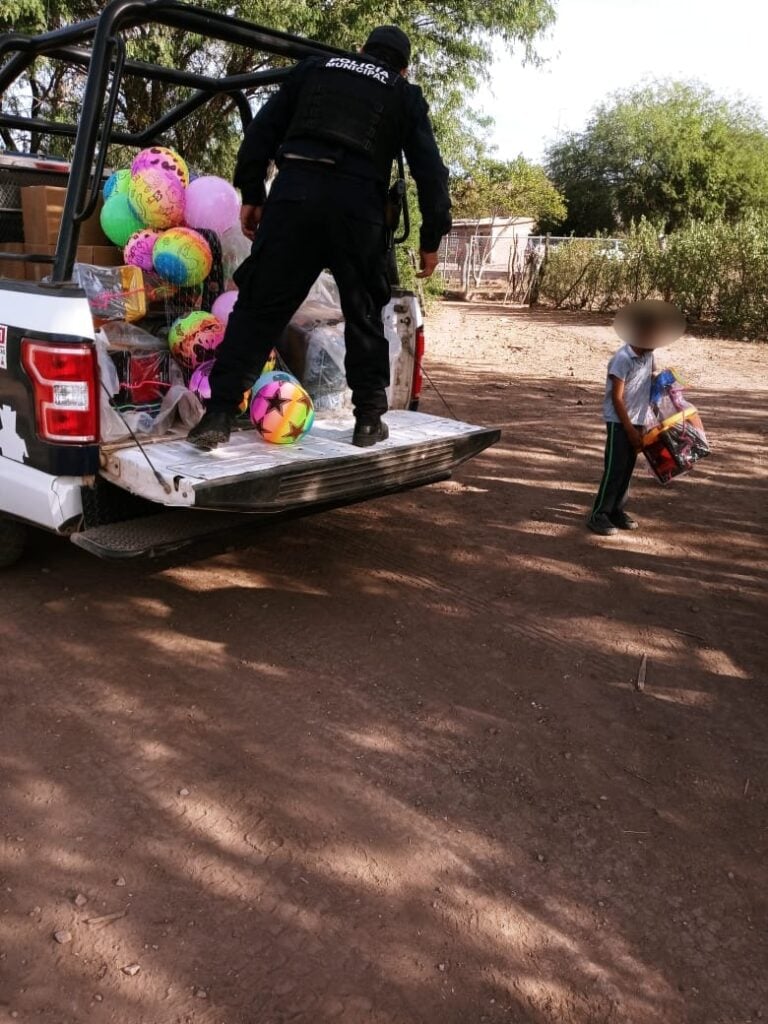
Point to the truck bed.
(250, 476)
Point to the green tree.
(514, 188)
(452, 55)
(671, 152)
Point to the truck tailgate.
(250, 476)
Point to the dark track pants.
(620, 460)
(296, 240)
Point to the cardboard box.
(42, 207)
(98, 255)
(13, 269)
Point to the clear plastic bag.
(144, 376)
(235, 248)
(322, 304)
(114, 426)
(674, 439)
(179, 407)
(119, 334)
(317, 330)
(324, 376)
(113, 293)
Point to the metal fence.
(482, 262)
(502, 266)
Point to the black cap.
(394, 39)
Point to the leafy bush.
(715, 272)
(692, 265)
(742, 295)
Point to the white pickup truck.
(125, 499)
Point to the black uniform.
(334, 129)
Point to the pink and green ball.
(183, 257)
(139, 248)
(194, 338)
(163, 159)
(281, 410)
(157, 198)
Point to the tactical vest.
(356, 104)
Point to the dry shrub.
(715, 272)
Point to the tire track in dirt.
(388, 561)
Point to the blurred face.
(648, 336)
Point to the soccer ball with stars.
(281, 409)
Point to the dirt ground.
(388, 764)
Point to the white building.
(485, 254)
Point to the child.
(644, 326)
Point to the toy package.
(143, 364)
(313, 347)
(674, 438)
(113, 293)
(144, 378)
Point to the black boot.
(212, 430)
(369, 432)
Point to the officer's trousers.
(296, 240)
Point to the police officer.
(334, 130)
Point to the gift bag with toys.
(674, 438)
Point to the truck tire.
(13, 539)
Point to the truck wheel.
(13, 538)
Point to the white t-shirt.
(637, 373)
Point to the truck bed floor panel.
(248, 475)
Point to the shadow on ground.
(389, 764)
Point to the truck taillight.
(65, 384)
(418, 362)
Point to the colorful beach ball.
(118, 219)
(281, 410)
(183, 257)
(163, 159)
(139, 247)
(157, 198)
(193, 338)
(117, 183)
(200, 383)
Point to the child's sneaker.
(602, 525)
(624, 521)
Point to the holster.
(394, 209)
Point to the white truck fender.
(37, 497)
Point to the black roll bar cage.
(105, 59)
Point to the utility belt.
(331, 167)
(395, 196)
(323, 161)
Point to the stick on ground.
(641, 673)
